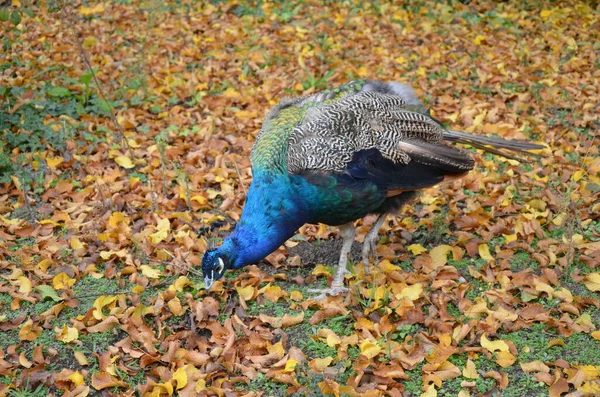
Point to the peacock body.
(336, 156)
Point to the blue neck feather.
(271, 215)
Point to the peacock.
(333, 157)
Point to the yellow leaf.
(505, 359)
(231, 92)
(540, 178)
(577, 175)
(387, 267)
(538, 204)
(464, 393)
(277, 349)
(24, 362)
(29, 331)
(100, 303)
(329, 337)
(430, 392)
(479, 119)
(163, 227)
(200, 385)
(53, 162)
(175, 306)
(484, 252)
(439, 255)
(559, 219)
(124, 162)
(321, 270)
(509, 238)
(89, 11)
(320, 364)
(180, 376)
(76, 378)
(412, 292)
(590, 388)
(272, 292)
(66, 334)
(24, 285)
(9, 222)
(199, 199)
(89, 41)
(478, 39)
(470, 372)
(421, 71)
(76, 243)
(150, 272)
(416, 249)
(585, 320)
(181, 283)
(246, 293)
(592, 281)
(296, 295)
(243, 115)
(369, 349)
(138, 289)
(290, 365)
(116, 218)
(596, 335)
(535, 366)
(400, 59)
(498, 345)
(81, 358)
(362, 72)
(62, 281)
(107, 254)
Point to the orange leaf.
(559, 387)
(282, 322)
(535, 366)
(103, 380)
(505, 359)
(175, 306)
(29, 332)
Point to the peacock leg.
(337, 286)
(370, 243)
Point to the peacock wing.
(380, 133)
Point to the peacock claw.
(325, 292)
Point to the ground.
(125, 132)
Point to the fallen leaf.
(124, 162)
(470, 372)
(369, 349)
(498, 345)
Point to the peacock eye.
(221, 266)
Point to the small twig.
(154, 198)
(239, 174)
(88, 65)
(94, 295)
(183, 265)
(102, 198)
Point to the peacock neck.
(271, 147)
(271, 215)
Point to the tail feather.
(492, 144)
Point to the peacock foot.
(369, 250)
(325, 292)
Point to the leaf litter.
(100, 290)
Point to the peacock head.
(214, 265)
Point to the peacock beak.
(208, 282)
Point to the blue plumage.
(336, 156)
